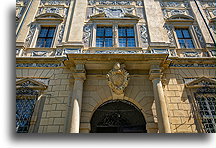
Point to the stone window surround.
(38, 108)
(191, 90)
(189, 26)
(115, 32)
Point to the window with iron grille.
(126, 37)
(205, 100)
(25, 104)
(45, 37)
(104, 37)
(184, 38)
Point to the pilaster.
(160, 102)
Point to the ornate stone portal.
(118, 78)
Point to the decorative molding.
(40, 53)
(118, 52)
(59, 52)
(38, 64)
(191, 54)
(55, 2)
(175, 4)
(199, 35)
(118, 78)
(30, 34)
(114, 12)
(143, 33)
(87, 34)
(72, 50)
(61, 32)
(192, 65)
(160, 51)
(102, 2)
(171, 37)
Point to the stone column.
(79, 76)
(160, 102)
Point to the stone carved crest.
(118, 78)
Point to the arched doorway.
(118, 116)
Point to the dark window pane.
(131, 42)
(99, 42)
(186, 34)
(40, 42)
(43, 32)
(122, 42)
(130, 32)
(179, 33)
(108, 42)
(122, 31)
(51, 32)
(48, 42)
(189, 43)
(100, 31)
(108, 32)
(182, 43)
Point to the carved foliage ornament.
(118, 78)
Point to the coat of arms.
(118, 78)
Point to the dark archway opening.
(118, 116)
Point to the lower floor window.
(206, 104)
(25, 104)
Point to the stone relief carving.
(39, 53)
(115, 12)
(114, 2)
(58, 52)
(170, 34)
(143, 33)
(199, 35)
(87, 33)
(118, 78)
(192, 65)
(61, 32)
(38, 64)
(191, 54)
(174, 4)
(56, 2)
(30, 34)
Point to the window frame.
(53, 38)
(115, 37)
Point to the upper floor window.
(184, 38)
(104, 37)
(126, 37)
(45, 37)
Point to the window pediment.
(201, 82)
(180, 17)
(30, 83)
(49, 16)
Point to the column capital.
(155, 72)
(79, 75)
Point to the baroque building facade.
(119, 66)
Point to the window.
(126, 37)
(184, 38)
(25, 104)
(24, 111)
(104, 37)
(207, 111)
(45, 37)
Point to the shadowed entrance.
(118, 116)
